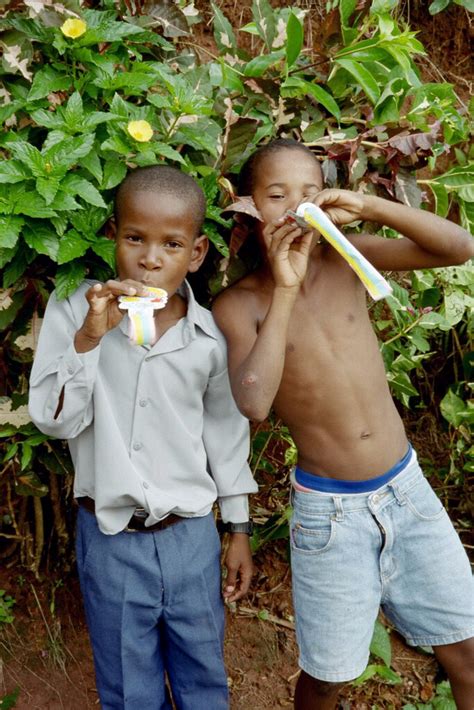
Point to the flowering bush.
(85, 94)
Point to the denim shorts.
(394, 547)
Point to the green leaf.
(105, 248)
(68, 278)
(294, 39)
(67, 153)
(42, 239)
(166, 151)
(211, 231)
(223, 32)
(29, 156)
(48, 188)
(362, 75)
(264, 21)
(46, 81)
(8, 315)
(17, 266)
(74, 112)
(259, 65)
(294, 86)
(77, 185)
(33, 205)
(453, 408)
(114, 172)
(441, 198)
(12, 171)
(71, 246)
(91, 162)
(29, 484)
(380, 645)
(438, 6)
(64, 201)
(10, 229)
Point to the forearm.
(434, 234)
(83, 342)
(256, 381)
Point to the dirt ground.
(46, 655)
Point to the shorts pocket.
(423, 501)
(311, 535)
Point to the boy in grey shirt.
(155, 439)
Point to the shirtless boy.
(367, 529)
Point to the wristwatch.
(246, 528)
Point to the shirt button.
(137, 446)
(145, 484)
(143, 402)
(70, 370)
(375, 498)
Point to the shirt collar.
(196, 314)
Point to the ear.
(110, 228)
(200, 248)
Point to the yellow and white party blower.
(374, 282)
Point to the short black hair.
(167, 180)
(247, 173)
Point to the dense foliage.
(86, 93)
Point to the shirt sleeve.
(226, 438)
(58, 366)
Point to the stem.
(404, 332)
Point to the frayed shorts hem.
(440, 640)
(329, 676)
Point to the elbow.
(254, 414)
(465, 250)
(250, 399)
(255, 411)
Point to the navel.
(351, 318)
(290, 347)
(365, 435)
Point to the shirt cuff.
(73, 363)
(234, 509)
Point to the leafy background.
(356, 91)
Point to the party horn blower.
(141, 320)
(374, 282)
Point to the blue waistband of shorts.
(335, 485)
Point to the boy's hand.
(104, 313)
(288, 249)
(238, 562)
(341, 206)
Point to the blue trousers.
(153, 605)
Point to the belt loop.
(339, 517)
(401, 500)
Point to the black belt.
(137, 521)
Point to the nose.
(151, 258)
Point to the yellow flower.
(73, 28)
(140, 130)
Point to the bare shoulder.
(239, 304)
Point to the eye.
(277, 197)
(172, 244)
(135, 239)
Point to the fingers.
(237, 585)
(112, 289)
(279, 235)
(230, 583)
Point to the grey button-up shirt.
(155, 427)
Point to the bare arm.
(429, 241)
(256, 350)
(256, 356)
